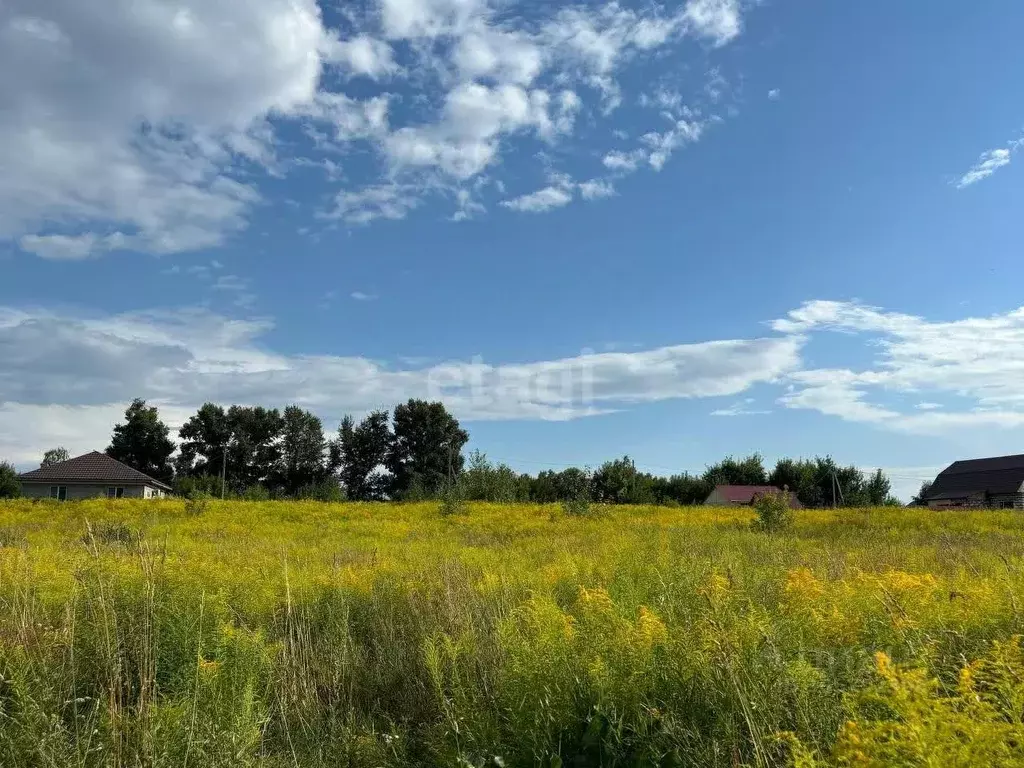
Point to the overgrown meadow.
(308, 634)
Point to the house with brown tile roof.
(94, 474)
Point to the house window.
(115, 493)
(59, 492)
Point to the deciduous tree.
(54, 456)
(730, 471)
(361, 452)
(426, 448)
(143, 443)
(10, 487)
(302, 450)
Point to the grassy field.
(303, 634)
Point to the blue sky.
(677, 230)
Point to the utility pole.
(223, 470)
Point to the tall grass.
(304, 634)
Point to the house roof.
(745, 494)
(93, 467)
(1000, 474)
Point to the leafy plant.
(197, 503)
(773, 512)
(10, 487)
(578, 490)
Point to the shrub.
(256, 493)
(10, 487)
(773, 512)
(197, 503)
(110, 533)
(577, 493)
(328, 490)
(453, 499)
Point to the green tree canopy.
(143, 443)
(302, 450)
(54, 456)
(730, 471)
(619, 482)
(204, 439)
(426, 448)
(10, 486)
(360, 452)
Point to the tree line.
(818, 482)
(416, 452)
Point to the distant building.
(996, 483)
(744, 495)
(88, 476)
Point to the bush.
(10, 487)
(773, 512)
(187, 486)
(577, 493)
(453, 499)
(328, 491)
(256, 493)
(197, 503)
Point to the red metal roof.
(745, 494)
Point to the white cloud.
(624, 161)
(133, 122)
(541, 200)
(987, 164)
(60, 247)
(662, 145)
(508, 57)
(596, 189)
(67, 378)
(475, 117)
(740, 408)
(362, 55)
(427, 18)
(718, 20)
(774, 94)
(360, 296)
(384, 201)
(977, 359)
(154, 130)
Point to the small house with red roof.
(745, 495)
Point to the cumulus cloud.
(154, 130)
(384, 201)
(596, 189)
(128, 125)
(475, 117)
(980, 360)
(362, 55)
(718, 20)
(82, 369)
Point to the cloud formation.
(81, 366)
(76, 371)
(989, 163)
(154, 130)
(977, 361)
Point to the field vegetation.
(313, 634)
